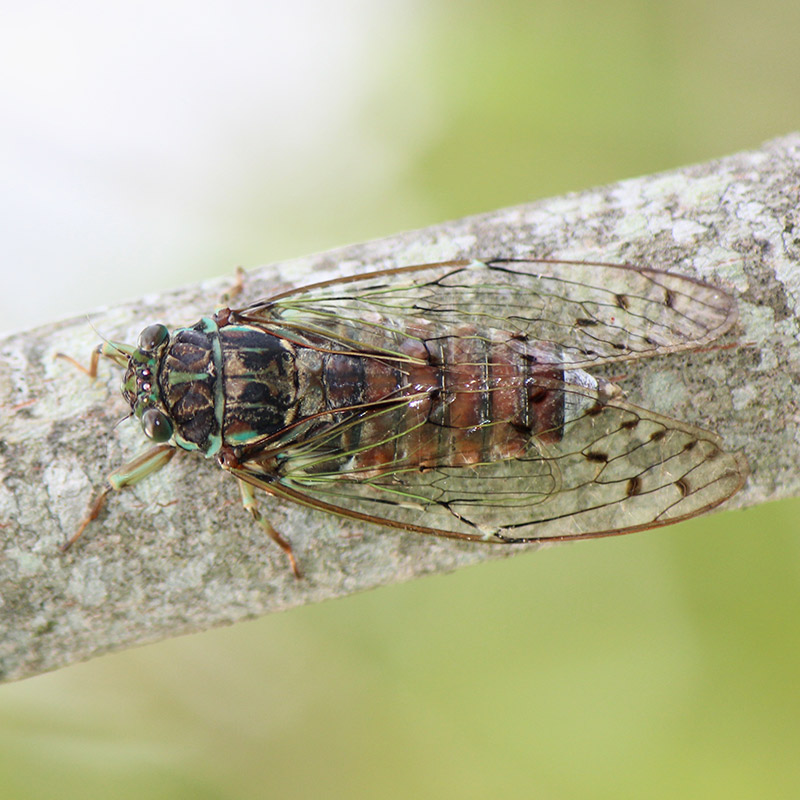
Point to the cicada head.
(140, 386)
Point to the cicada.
(453, 399)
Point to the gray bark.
(177, 554)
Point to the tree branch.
(177, 553)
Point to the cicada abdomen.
(450, 399)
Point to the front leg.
(128, 474)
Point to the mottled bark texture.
(177, 553)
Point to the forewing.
(613, 467)
(583, 313)
(616, 469)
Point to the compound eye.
(156, 425)
(151, 337)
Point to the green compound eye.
(151, 337)
(156, 425)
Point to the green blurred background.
(152, 144)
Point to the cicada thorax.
(259, 389)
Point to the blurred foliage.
(660, 665)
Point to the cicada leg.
(249, 502)
(237, 287)
(128, 474)
(114, 351)
(91, 370)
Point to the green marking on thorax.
(183, 443)
(240, 327)
(176, 378)
(211, 327)
(242, 437)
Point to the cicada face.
(140, 384)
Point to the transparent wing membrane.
(608, 467)
(617, 469)
(587, 313)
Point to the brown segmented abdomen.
(468, 398)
